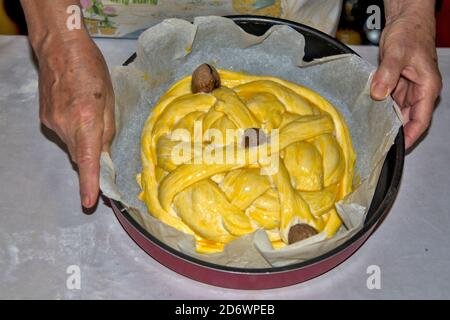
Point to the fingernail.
(380, 91)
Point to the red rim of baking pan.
(318, 45)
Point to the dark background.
(351, 25)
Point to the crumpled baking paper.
(172, 49)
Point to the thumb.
(88, 141)
(386, 77)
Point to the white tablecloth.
(43, 230)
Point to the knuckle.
(80, 114)
(438, 82)
(392, 61)
(87, 115)
(395, 54)
(43, 117)
(56, 119)
(422, 54)
(422, 126)
(85, 160)
(424, 123)
(52, 120)
(109, 133)
(435, 84)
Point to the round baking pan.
(318, 45)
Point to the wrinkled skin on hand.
(77, 102)
(409, 71)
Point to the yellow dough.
(218, 202)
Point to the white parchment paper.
(171, 50)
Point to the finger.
(400, 92)
(413, 131)
(109, 123)
(386, 77)
(419, 119)
(405, 114)
(88, 140)
(422, 99)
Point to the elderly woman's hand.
(75, 91)
(76, 101)
(409, 69)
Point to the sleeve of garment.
(320, 14)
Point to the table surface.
(43, 230)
